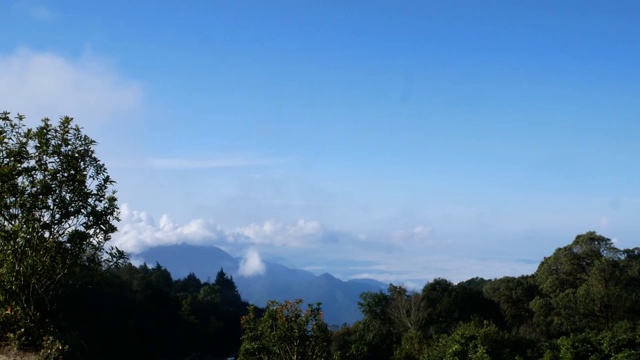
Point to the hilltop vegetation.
(581, 303)
(64, 296)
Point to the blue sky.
(402, 140)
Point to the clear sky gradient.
(400, 140)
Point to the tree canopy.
(286, 332)
(581, 303)
(57, 211)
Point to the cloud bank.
(138, 231)
(412, 256)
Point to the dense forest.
(64, 294)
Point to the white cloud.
(137, 231)
(251, 264)
(45, 84)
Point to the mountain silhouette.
(339, 298)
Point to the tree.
(406, 309)
(475, 340)
(376, 328)
(286, 332)
(583, 286)
(57, 212)
(513, 295)
(227, 287)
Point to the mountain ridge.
(339, 298)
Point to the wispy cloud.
(419, 235)
(39, 12)
(303, 232)
(34, 10)
(215, 162)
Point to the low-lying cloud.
(251, 264)
(412, 256)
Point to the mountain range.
(339, 298)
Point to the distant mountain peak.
(339, 298)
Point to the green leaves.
(285, 331)
(57, 211)
(585, 285)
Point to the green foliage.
(411, 346)
(57, 211)
(142, 312)
(347, 343)
(448, 304)
(285, 331)
(406, 309)
(513, 295)
(376, 329)
(477, 340)
(598, 345)
(468, 341)
(580, 304)
(586, 286)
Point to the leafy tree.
(411, 346)
(230, 308)
(190, 284)
(57, 211)
(286, 332)
(583, 287)
(347, 343)
(392, 324)
(479, 340)
(227, 287)
(377, 328)
(406, 309)
(616, 344)
(513, 295)
(448, 304)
